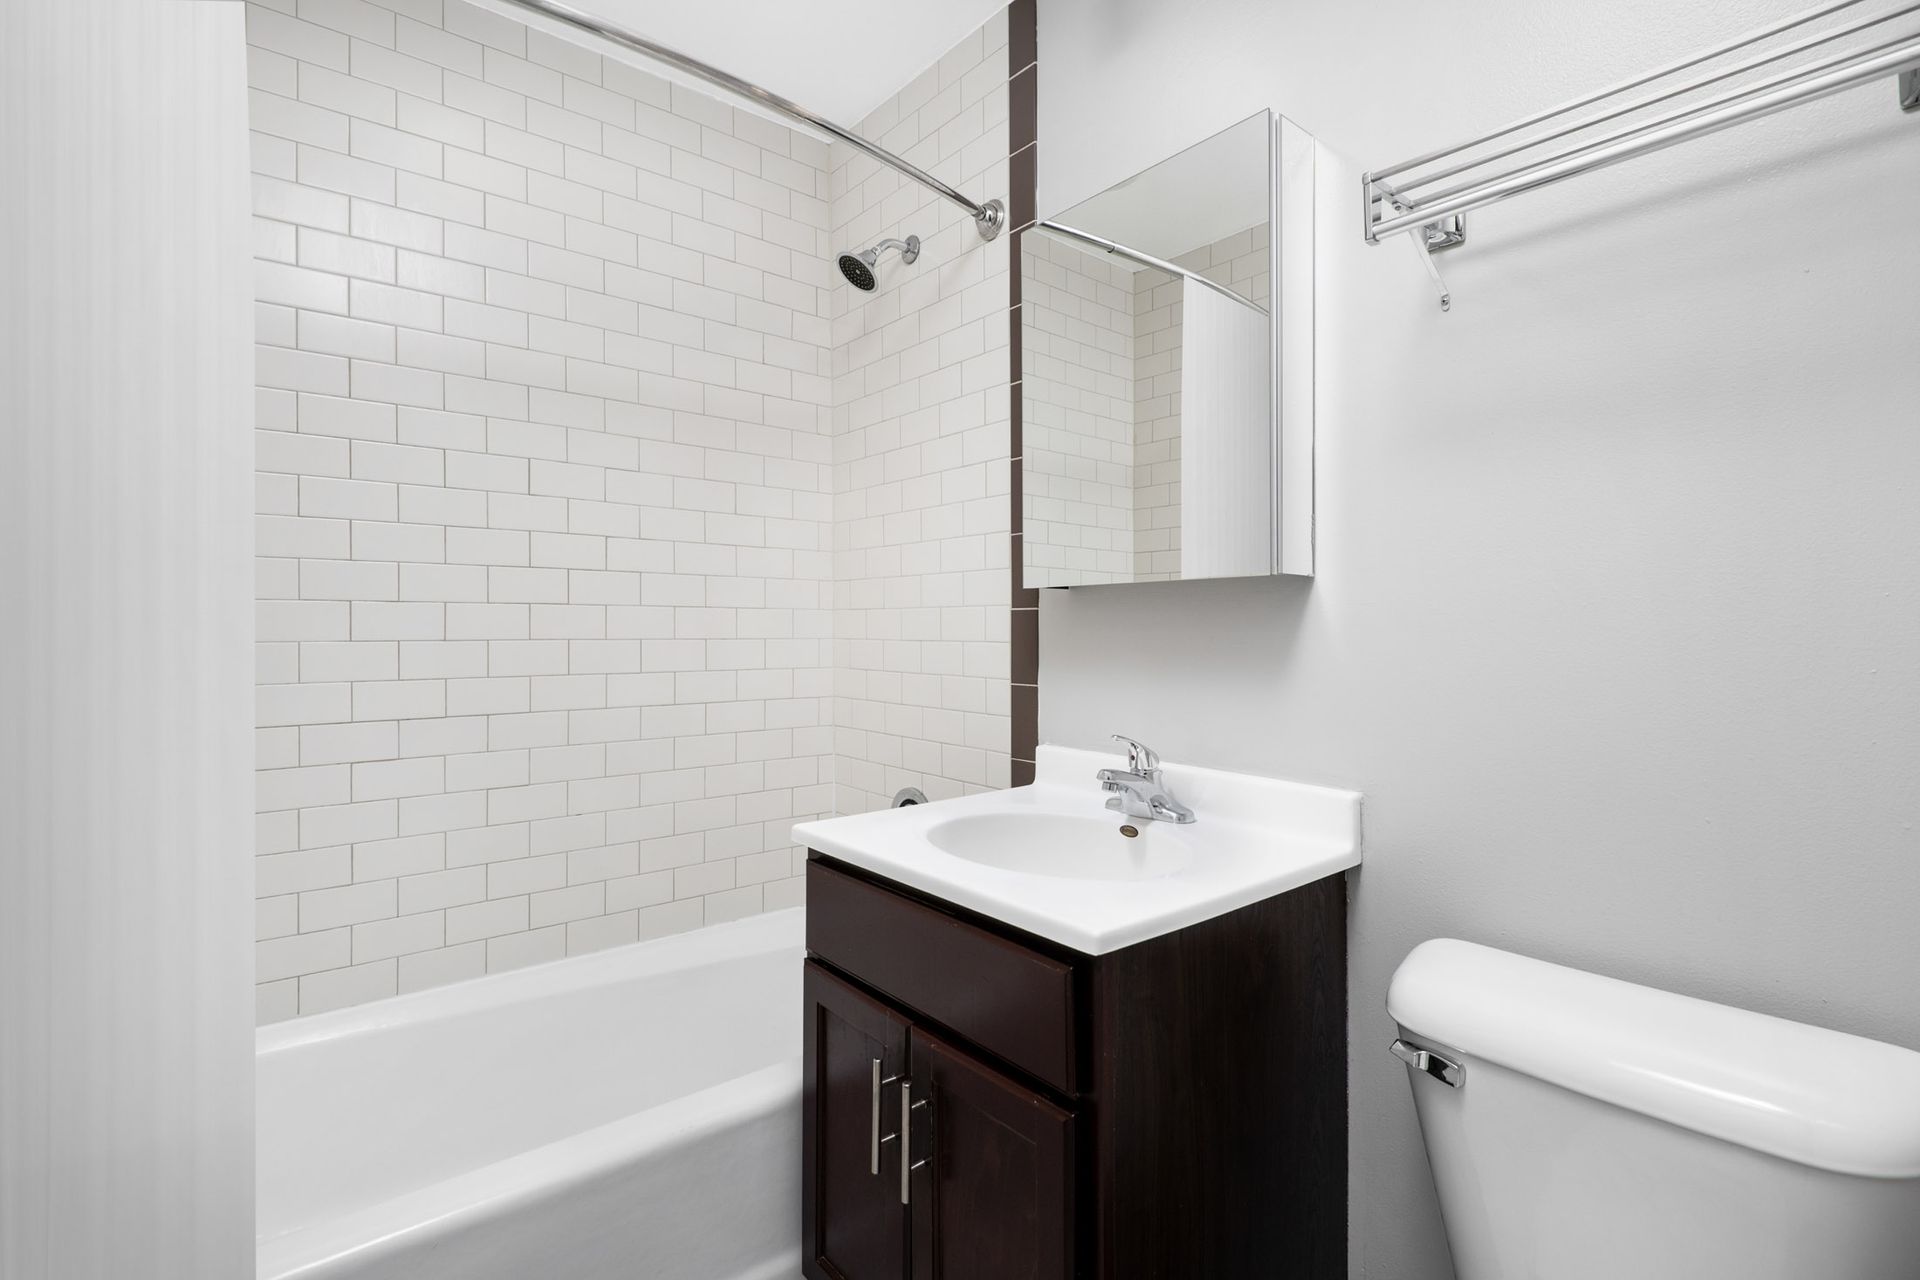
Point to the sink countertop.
(1253, 838)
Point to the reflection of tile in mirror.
(1102, 400)
(1078, 388)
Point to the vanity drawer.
(1008, 999)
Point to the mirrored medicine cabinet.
(1167, 379)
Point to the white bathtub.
(630, 1114)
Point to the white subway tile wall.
(921, 412)
(546, 496)
(602, 529)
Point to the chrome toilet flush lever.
(1139, 790)
(1427, 1062)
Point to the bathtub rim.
(525, 1179)
(769, 931)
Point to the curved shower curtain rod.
(989, 218)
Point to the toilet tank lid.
(1817, 1097)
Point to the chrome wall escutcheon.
(1426, 1061)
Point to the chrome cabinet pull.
(906, 1142)
(1445, 1070)
(873, 1159)
(907, 1164)
(876, 1139)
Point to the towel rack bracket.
(1445, 233)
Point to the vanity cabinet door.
(992, 1173)
(853, 1224)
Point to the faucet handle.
(1141, 758)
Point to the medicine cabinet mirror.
(1167, 369)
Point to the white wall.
(126, 1053)
(922, 579)
(544, 500)
(1616, 616)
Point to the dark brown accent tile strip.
(1026, 646)
(1020, 195)
(1023, 107)
(1026, 720)
(1023, 167)
(1012, 346)
(1015, 357)
(1023, 31)
(1013, 282)
(1016, 446)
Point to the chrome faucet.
(1138, 790)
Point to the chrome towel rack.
(1797, 59)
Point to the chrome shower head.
(858, 267)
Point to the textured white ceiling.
(837, 58)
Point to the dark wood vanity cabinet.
(1175, 1109)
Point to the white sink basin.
(1052, 859)
(1069, 848)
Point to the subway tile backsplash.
(603, 533)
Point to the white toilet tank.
(1599, 1130)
